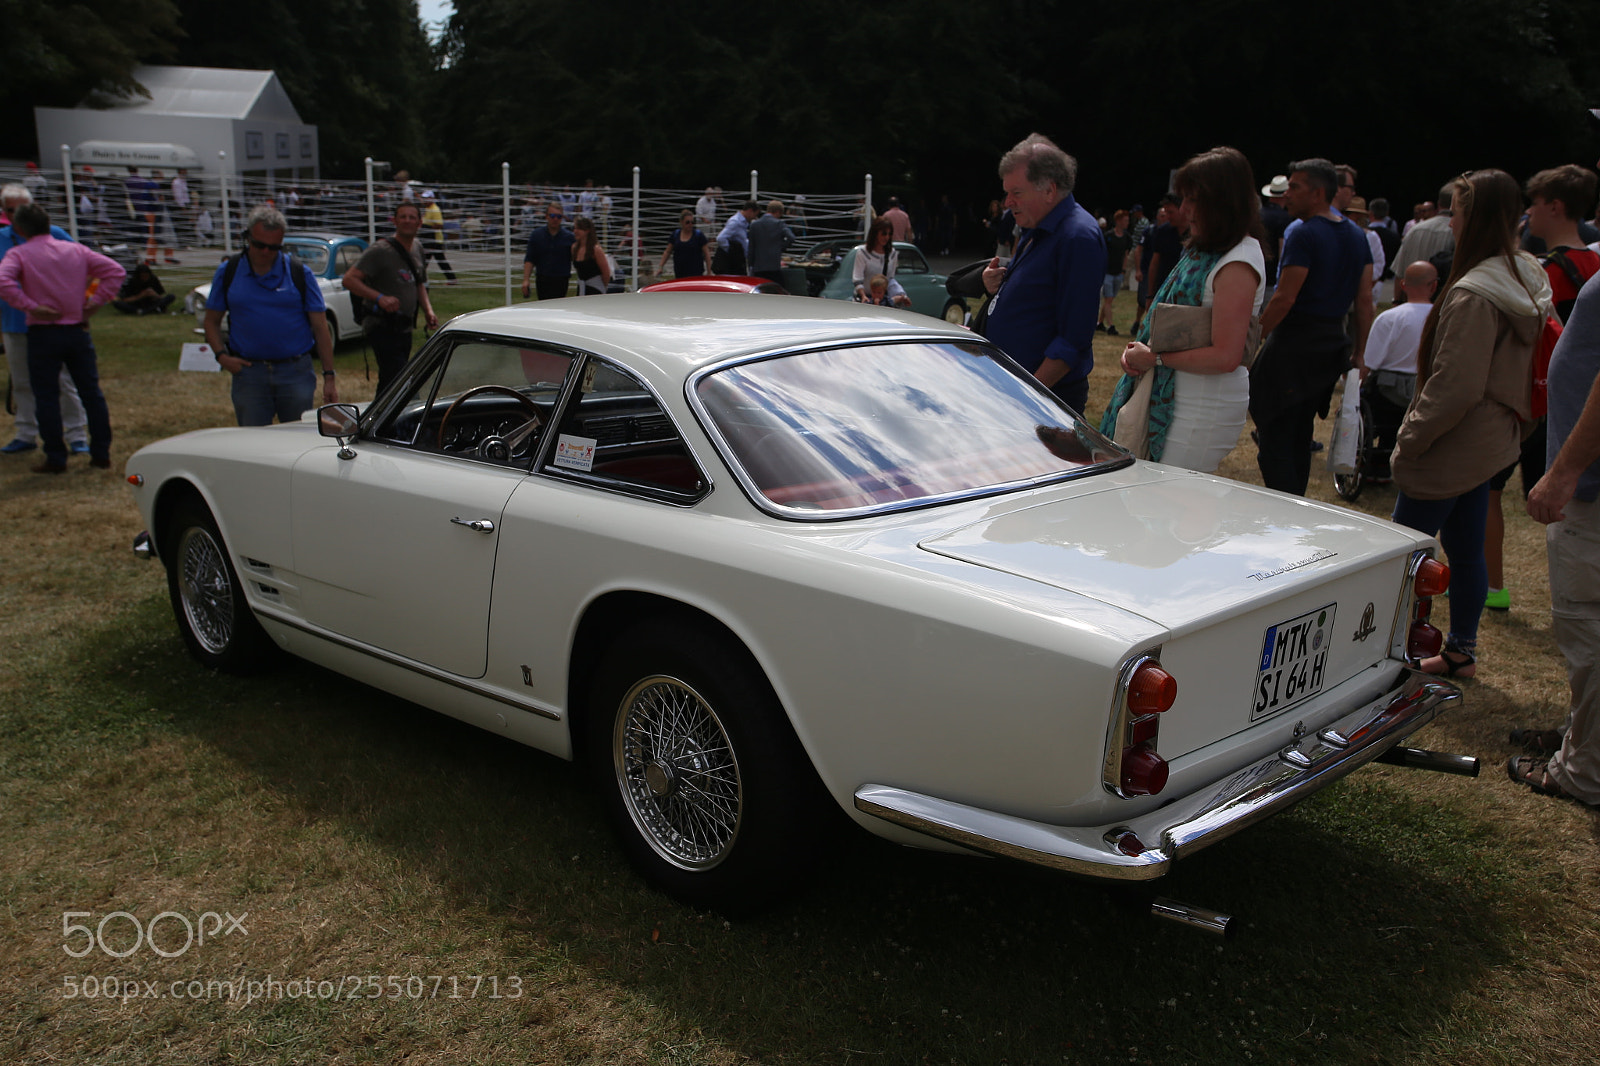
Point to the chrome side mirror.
(340, 421)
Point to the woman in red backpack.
(1473, 394)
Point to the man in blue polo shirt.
(274, 327)
(1043, 307)
(1326, 269)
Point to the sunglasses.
(263, 246)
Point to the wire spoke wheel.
(206, 590)
(208, 602)
(677, 773)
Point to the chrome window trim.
(800, 514)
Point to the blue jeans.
(1458, 523)
(52, 349)
(284, 387)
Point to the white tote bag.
(1347, 429)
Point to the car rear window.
(851, 430)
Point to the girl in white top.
(1212, 385)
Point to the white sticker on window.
(575, 453)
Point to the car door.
(396, 546)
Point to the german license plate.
(1294, 661)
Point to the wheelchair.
(1380, 416)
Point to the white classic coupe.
(751, 559)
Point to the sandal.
(1538, 741)
(1535, 773)
(1452, 662)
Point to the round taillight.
(1433, 577)
(1144, 773)
(1423, 641)
(1151, 690)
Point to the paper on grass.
(197, 357)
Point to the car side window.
(912, 262)
(348, 254)
(614, 430)
(487, 400)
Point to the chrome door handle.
(482, 525)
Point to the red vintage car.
(717, 283)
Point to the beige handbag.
(1179, 327)
(1133, 420)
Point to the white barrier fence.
(476, 237)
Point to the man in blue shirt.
(274, 326)
(1326, 267)
(549, 257)
(733, 243)
(1043, 307)
(75, 422)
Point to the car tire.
(333, 326)
(208, 601)
(955, 311)
(703, 780)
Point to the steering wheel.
(513, 439)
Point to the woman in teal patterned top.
(1200, 396)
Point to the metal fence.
(476, 237)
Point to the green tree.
(700, 95)
(354, 68)
(53, 55)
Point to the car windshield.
(313, 254)
(847, 430)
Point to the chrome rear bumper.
(1119, 852)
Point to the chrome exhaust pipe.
(1419, 759)
(1213, 922)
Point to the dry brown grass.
(366, 836)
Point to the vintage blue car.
(328, 255)
(829, 272)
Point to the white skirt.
(1208, 415)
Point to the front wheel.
(703, 780)
(955, 312)
(217, 625)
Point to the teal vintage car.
(829, 273)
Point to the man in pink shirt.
(898, 219)
(50, 280)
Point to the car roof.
(679, 332)
(326, 238)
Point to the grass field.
(343, 838)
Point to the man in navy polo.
(274, 327)
(1043, 307)
(1326, 269)
(548, 260)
